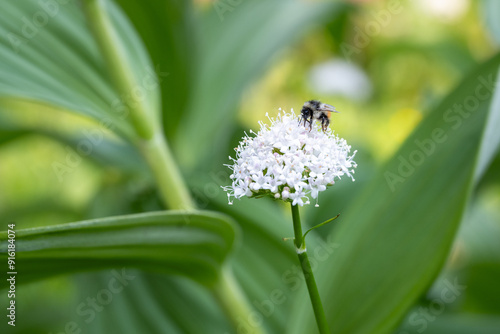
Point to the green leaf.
(188, 243)
(104, 150)
(396, 236)
(59, 63)
(168, 304)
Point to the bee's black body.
(315, 110)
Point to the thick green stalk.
(119, 66)
(168, 177)
(230, 297)
(300, 246)
(151, 140)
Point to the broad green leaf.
(238, 46)
(188, 243)
(396, 236)
(99, 146)
(108, 153)
(50, 56)
(337, 199)
(150, 303)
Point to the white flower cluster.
(288, 161)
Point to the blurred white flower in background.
(450, 10)
(339, 77)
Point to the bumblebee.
(315, 110)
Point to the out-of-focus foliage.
(392, 263)
(192, 244)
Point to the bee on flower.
(288, 161)
(315, 110)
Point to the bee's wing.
(330, 108)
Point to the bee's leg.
(324, 123)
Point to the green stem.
(230, 297)
(168, 177)
(143, 114)
(119, 66)
(300, 246)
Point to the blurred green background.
(391, 67)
